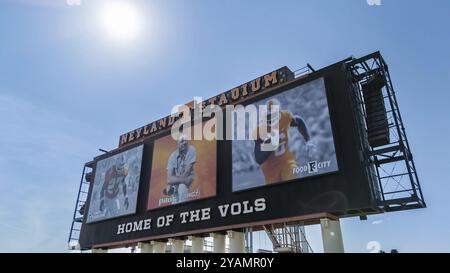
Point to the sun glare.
(120, 20)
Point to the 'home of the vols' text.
(191, 216)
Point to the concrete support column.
(218, 242)
(331, 236)
(237, 241)
(146, 247)
(197, 244)
(177, 246)
(249, 240)
(159, 247)
(99, 250)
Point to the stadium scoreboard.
(155, 187)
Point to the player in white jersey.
(180, 171)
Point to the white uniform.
(177, 165)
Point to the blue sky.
(66, 90)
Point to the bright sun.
(120, 20)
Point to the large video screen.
(116, 185)
(182, 170)
(305, 140)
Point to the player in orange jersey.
(272, 143)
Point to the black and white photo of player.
(180, 171)
(305, 145)
(116, 185)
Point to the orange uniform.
(280, 165)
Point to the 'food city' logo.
(312, 167)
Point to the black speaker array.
(376, 116)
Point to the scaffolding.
(288, 238)
(391, 165)
(80, 205)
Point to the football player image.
(180, 170)
(114, 183)
(278, 162)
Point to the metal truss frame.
(392, 165)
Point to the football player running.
(278, 163)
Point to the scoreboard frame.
(350, 191)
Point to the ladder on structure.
(288, 238)
(78, 214)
